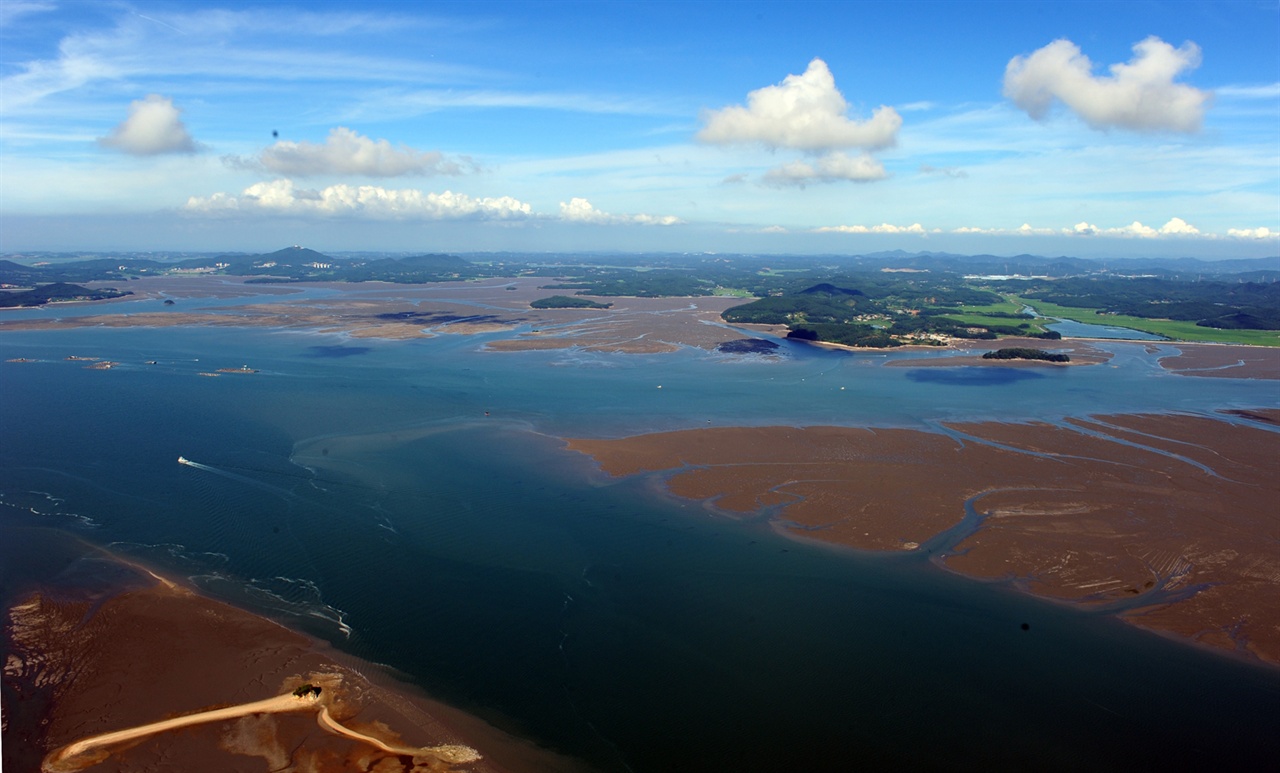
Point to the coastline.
(636, 325)
(1160, 519)
(132, 648)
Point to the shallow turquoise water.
(358, 490)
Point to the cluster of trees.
(1022, 353)
(847, 334)
(821, 303)
(58, 291)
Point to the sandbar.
(1168, 521)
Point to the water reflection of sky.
(1070, 329)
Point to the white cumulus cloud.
(579, 210)
(883, 228)
(1176, 227)
(830, 167)
(283, 197)
(804, 112)
(154, 127)
(1134, 229)
(347, 152)
(1253, 233)
(807, 113)
(1179, 227)
(1140, 94)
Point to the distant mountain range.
(1067, 266)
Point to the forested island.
(1024, 353)
(567, 302)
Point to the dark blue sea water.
(359, 491)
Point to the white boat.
(183, 460)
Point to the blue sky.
(1092, 129)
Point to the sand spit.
(1166, 520)
(160, 678)
(90, 751)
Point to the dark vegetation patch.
(748, 346)
(437, 317)
(58, 291)
(568, 302)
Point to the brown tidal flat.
(400, 312)
(1224, 361)
(635, 325)
(1169, 521)
(142, 655)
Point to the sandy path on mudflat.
(65, 758)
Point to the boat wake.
(283, 492)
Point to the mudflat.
(105, 665)
(396, 312)
(1224, 361)
(1168, 521)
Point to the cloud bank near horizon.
(345, 151)
(370, 201)
(1175, 228)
